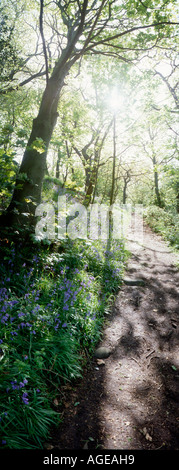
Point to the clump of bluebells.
(52, 307)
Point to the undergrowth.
(164, 222)
(52, 306)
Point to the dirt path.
(130, 400)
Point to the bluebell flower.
(25, 399)
(65, 308)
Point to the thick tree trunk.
(27, 192)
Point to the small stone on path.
(102, 353)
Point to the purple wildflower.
(25, 399)
(21, 314)
(65, 308)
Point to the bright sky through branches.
(115, 100)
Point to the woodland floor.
(130, 400)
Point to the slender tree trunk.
(157, 192)
(95, 184)
(156, 182)
(124, 198)
(92, 178)
(127, 179)
(178, 203)
(90, 188)
(114, 162)
(57, 170)
(113, 179)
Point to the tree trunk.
(113, 180)
(90, 188)
(57, 170)
(127, 179)
(92, 179)
(157, 192)
(114, 162)
(156, 182)
(124, 198)
(27, 192)
(178, 203)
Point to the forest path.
(130, 400)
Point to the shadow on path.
(130, 400)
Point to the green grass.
(52, 308)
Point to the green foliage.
(9, 57)
(52, 309)
(38, 144)
(10, 139)
(164, 222)
(8, 172)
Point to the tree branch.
(107, 40)
(43, 38)
(171, 89)
(24, 82)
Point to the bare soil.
(130, 400)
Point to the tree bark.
(157, 192)
(92, 180)
(114, 162)
(113, 181)
(178, 203)
(124, 198)
(156, 182)
(57, 170)
(27, 193)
